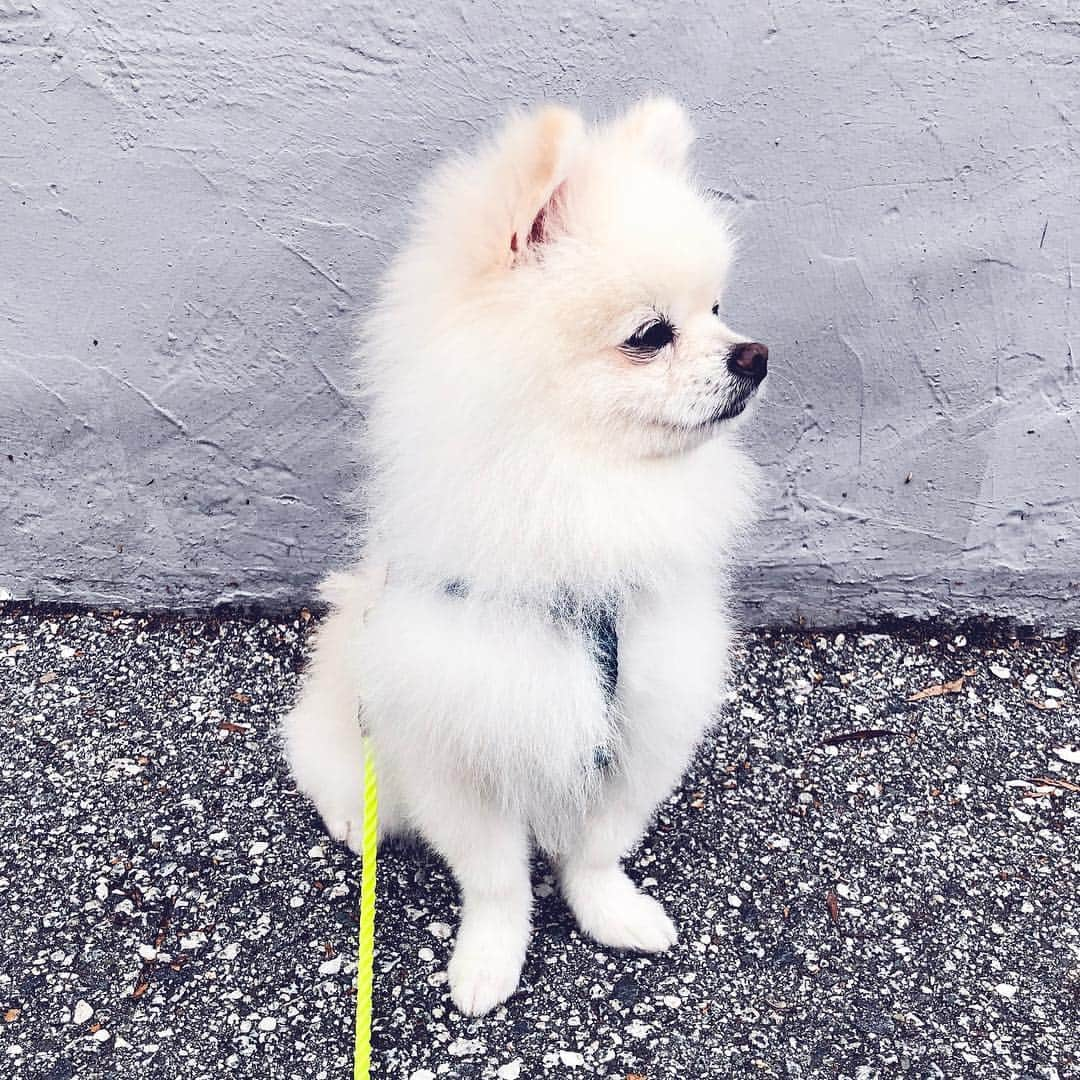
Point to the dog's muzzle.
(748, 364)
(749, 360)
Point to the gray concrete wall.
(196, 196)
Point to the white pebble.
(148, 952)
(268, 1023)
(1071, 756)
(257, 848)
(672, 1001)
(571, 1058)
(734, 900)
(439, 930)
(510, 1071)
(423, 1074)
(330, 967)
(425, 954)
(1000, 672)
(83, 1011)
(1006, 990)
(465, 1047)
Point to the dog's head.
(582, 271)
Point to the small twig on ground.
(832, 905)
(143, 982)
(1049, 781)
(938, 690)
(1049, 705)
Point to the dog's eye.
(646, 341)
(716, 309)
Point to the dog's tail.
(355, 590)
(351, 594)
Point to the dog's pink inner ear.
(539, 230)
(536, 233)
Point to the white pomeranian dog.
(536, 639)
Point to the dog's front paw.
(484, 970)
(480, 981)
(609, 908)
(638, 922)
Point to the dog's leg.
(322, 734)
(606, 903)
(673, 651)
(488, 853)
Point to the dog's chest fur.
(526, 703)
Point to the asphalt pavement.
(867, 886)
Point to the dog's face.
(634, 287)
(593, 270)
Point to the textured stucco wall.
(195, 197)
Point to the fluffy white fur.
(517, 448)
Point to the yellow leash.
(365, 953)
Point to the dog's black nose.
(749, 358)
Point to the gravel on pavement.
(867, 886)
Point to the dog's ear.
(661, 128)
(535, 155)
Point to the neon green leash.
(365, 953)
